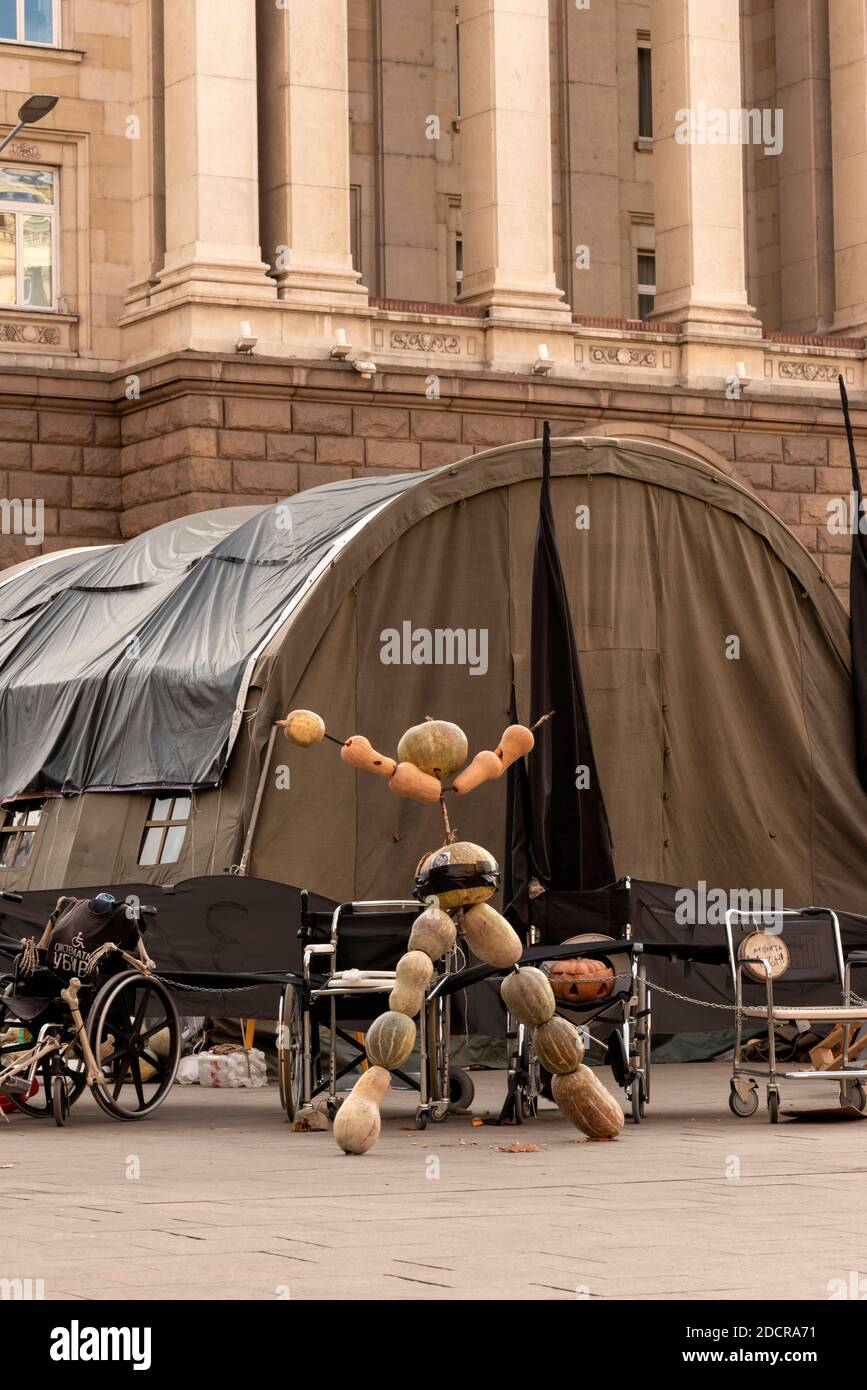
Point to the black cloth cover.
(857, 605)
(558, 831)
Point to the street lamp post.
(33, 110)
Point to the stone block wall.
(207, 434)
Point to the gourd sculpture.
(427, 755)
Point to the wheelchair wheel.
(59, 1100)
(40, 1105)
(290, 1051)
(123, 1025)
(461, 1089)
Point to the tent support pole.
(254, 815)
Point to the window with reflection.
(30, 21)
(165, 828)
(27, 237)
(18, 833)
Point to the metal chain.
(727, 1008)
(211, 989)
(688, 998)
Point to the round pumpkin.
(584, 1100)
(390, 1039)
(490, 937)
(527, 994)
(461, 852)
(433, 932)
(558, 1046)
(303, 727)
(436, 747)
(580, 980)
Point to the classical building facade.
(263, 244)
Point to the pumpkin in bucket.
(581, 980)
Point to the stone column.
(304, 105)
(698, 165)
(507, 225)
(848, 58)
(212, 181)
(806, 219)
(147, 137)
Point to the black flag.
(566, 842)
(857, 603)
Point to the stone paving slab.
(230, 1205)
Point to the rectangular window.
(27, 238)
(165, 828)
(646, 283)
(645, 94)
(18, 833)
(30, 21)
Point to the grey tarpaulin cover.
(124, 667)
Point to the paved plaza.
(215, 1198)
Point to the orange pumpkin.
(581, 980)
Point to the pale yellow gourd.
(433, 932)
(584, 1100)
(490, 937)
(303, 727)
(485, 767)
(408, 781)
(357, 751)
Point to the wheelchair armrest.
(328, 948)
(857, 958)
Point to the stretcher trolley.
(772, 957)
(346, 976)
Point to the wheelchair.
(623, 1017)
(114, 1031)
(354, 944)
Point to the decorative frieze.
(623, 356)
(41, 335)
(808, 371)
(406, 341)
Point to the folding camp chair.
(772, 956)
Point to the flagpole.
(850, 439)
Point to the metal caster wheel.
(853, 1093)
(741, 1107)
(773, 1106)
(332, 1107)
(421, 1119)
(439, 1114)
